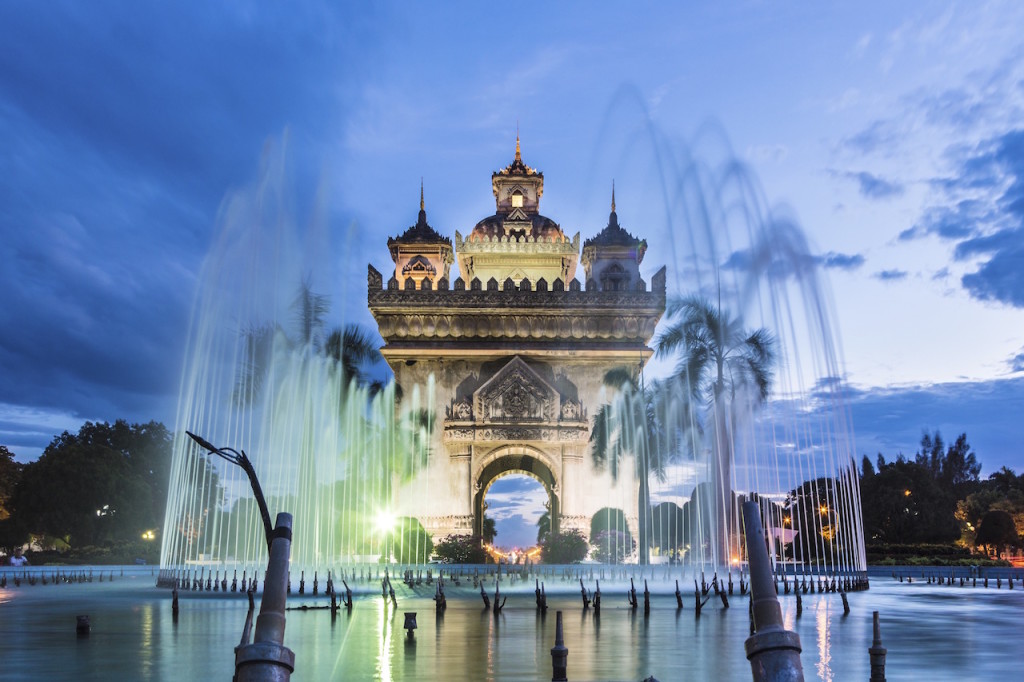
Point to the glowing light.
(149, 535)
(824, 509)
(787, 520)
(906, 493)
(385, 522)
(735, 560)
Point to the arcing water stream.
(259, 377)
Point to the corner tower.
(611, 259)
(422, 257)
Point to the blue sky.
(892, 134)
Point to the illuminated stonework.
(517, 350)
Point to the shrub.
(410, 542)
(461, 549)
(568, 547)
(612, 546)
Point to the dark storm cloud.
(123, 126)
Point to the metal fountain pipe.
(773, 651)
(267, 659)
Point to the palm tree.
(638, 424)
(723, 365)
(353, 348)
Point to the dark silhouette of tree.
(107, 482)
(489, 530)
(997, 531)
(544, 523)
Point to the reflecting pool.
(934, 632)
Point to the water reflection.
(823, 667)
(134, 636)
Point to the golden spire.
(421, 193)
(519, 157)
(613, 196)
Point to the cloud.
(785, 265)
(1017, 362)
(984, 214)
(890, 275)
(115, 162)
(949, 222)
(878, 135)
(874, 187)
(891, 420)
(516, 503)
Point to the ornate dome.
(503, 225)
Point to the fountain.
(361, 477)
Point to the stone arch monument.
(515, 351)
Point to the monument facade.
(514, 350)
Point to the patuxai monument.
(515, 350)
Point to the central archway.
(515, 459)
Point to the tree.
(10, 474)
(489, 530)
(612, 546)
(670, 527)
(997, 530)
(461, 549)
(544, 523)
(127, 469)
(353, 348)
(641, 423)
(726, 367)
(410, 542)
(903, 503)
(567, 547)
(610, 536)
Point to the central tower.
(513, 352)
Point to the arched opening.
(509, 461)
(514, 503)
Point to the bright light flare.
(385, 522)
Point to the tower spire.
(518, 154)
(421, 194)
(613, 195)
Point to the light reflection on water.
(944, 633)
(824, 668)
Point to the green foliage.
(608, 518)
(410, 543)
(461, 549)
(670, 526)
(569, 547)
(10, 474)
(489, 530)
(909, 501)
(114, 554)
(648, 424)
(544, 523)
(997, 530)
(104, 484)
(612, 546)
